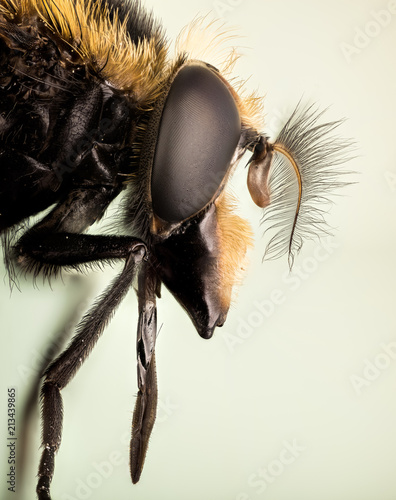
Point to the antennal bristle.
(302, 177)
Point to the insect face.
(195, 139)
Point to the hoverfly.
(92, 105)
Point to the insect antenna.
(302, 177)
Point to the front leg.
(62, 370)
(52, 244)
(55, 242)
(146, 402)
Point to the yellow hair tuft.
(102, 42)
(235, 238)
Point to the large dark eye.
(198, 134)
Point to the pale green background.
(225, 414)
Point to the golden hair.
(235, 237)
(101, 41)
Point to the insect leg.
(62, 370)
(66, 326)
(51, 244)
(55, 241)
(146, 403)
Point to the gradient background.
(226, 410)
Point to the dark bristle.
(140, 24)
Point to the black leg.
(56, 345)
(62, 370)
(146, 403)
(52, 244)
(60, 250)
(55, 241)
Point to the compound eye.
(198, 135)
